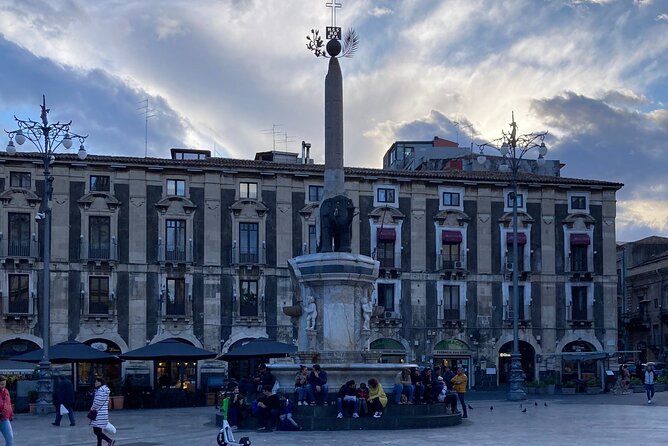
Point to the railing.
(577, 316)
(178, 254)
(99, 308)
(245, 257)
(508, 313)
(98, 251)
(451, 314)
(444, 264)
(22, 307)
(19, 248)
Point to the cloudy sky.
(221, 74)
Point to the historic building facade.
(196, 248)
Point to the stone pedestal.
(339, 283)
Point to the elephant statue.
(336, 215)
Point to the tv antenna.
(463, 127)
(288, 139)
(273, 132)
(148, 113)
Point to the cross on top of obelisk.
(333, 32)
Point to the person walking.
(63, 394)
(6, 413)
(459, 383)
(650, 379)
(101, 405)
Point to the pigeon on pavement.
(524, 410)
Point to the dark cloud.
(434, 124)
(100, 105)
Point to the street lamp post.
(512, 149)
(47, 138)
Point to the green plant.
(663, 379)
(531, 384)
(550, 379)
(636, 382)
(593, 383)
(569, 384)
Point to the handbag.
(63, 410)
(92, 415)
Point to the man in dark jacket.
(347, 397)
(317, 387)
(63, 393)
(269, 408)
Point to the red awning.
(580, 239)
(521, 238)
(452, 237)
(386, 235)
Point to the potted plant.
(550, 383)
(593, 386)
(660, 384)
(568, 388)
(541, 387)
(531, 386)
(117, 400)
(637, 385)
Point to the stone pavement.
(572, 420)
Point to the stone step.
(392, 409)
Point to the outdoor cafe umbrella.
(259, 348)
(69, 352)
(10, 367)
(169, 349)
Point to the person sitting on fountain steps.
(317, 387)
(347, 397)
(377, 398)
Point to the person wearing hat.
(347, 397)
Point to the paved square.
(571, 420)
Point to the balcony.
(98, 252)
(508, 316)
(452, 266)
(17, 309)
(451, 318)
(252, 257)
(636, 320)
(175, 254)
(577, 319)
(24, 249)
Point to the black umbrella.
(69, 352)
(259, 348)
(169, 349)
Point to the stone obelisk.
(334, 175)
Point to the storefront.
(86, 372)
(528, 361)
(454, 353)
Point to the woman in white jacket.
(101, 405)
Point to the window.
(451, 199)
(19, 235)
(386, 296)
(385, 195)
(175, 248)
(98, 295)
(579, 303)
(176, 188)
(99, 183)
(248, 190)
(248, 243)
(579, 202)
(579, 258)
(19, 179)
(175, 301)
(385, 253)
(451, 302)
(451, 258)
(312, 240)
(248, 301)
(520, 200)
(315, 193)
(99, 246)
(520, 290)
(19, 292)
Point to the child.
(287, 422)
(362, 395)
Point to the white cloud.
(380, 12)
(662, 17)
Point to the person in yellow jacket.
(459, 383)
(377, 398)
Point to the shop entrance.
(454, 353)
(528, 361)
